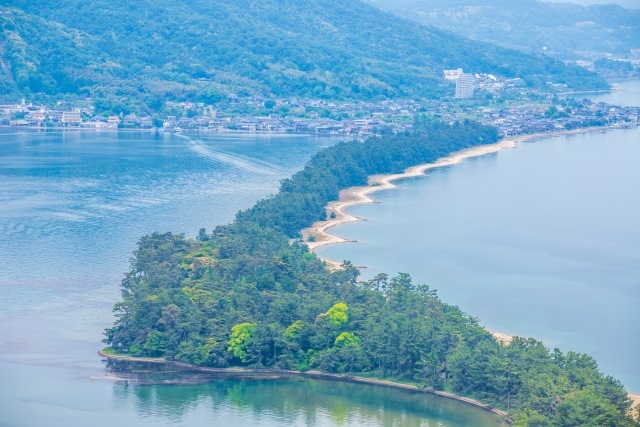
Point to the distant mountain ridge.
(153, 50)
(563, 29)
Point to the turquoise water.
(542, 240)
(62, 398)
(72, 207)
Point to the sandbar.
(318, 234)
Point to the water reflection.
(292, 400)
(73, 206)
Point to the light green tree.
(337, 314)
(294, 330)
(347, 339)
(241, 338)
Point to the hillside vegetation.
(151, 50)
(564, 30)
(244, 295)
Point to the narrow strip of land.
(336, 211)
(319, 233)
(277, 373)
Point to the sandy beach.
(635, 398)
(359, 195)
(319, 233)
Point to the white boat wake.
(246, 164)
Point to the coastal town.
(504, 103)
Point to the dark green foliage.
(563, 29)
(302, 198)
(245, 295)
(135, 54)
(621, 67)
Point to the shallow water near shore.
(73, 206)
(541, 240)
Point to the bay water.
(541, 241)
(72, 207)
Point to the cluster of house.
(23, 114)
(525, 120)
(356, 118)
(306, 116)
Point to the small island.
(251, 295)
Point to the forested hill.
(203, 50)
(242, 295)
(564, 30)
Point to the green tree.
(585, 408)
(241, 338)
(347, 339)
(337, 315)
(275, 304)
(154, 344)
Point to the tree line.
(150, 51)
(247, 294)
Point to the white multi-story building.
(71, 117)
(465, 86)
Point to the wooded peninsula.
(251, 294)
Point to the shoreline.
(161, 130)
(635, 398)
(319, 231)
(279, 373)
(360, 195)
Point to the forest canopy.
(247, 294)
(143, 53)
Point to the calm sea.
(72, 207)
(542, 240)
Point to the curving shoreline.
(320, 231)
(280, 373)
(318, 234)
(387, 182)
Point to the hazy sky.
(632, 4)
(635, 4)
